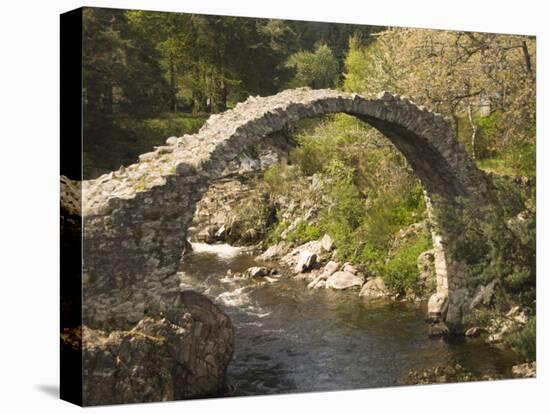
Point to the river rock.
(474, 331)
(275, 251)
(256, 271)
(306, 261)
(320, 284)
(527, 370)
(375, 288)
(517, 315)
(291, 258)
(438, 329)
(329, 269)
(182, 355)
(327, 243)
(344, 280)
(437, 305)
(220, 233)
(207, 234)
(348, 267)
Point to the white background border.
(29, 151)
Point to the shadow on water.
(291, 339)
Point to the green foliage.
(304, 232)
(119, 140)
(281, 178)
(275, 234)
(483, 82)
(524, 341)
(138, 65)
(496, 244)
(317, 69)
(522, 157)
(356, 65)
(367, 188)
(401, 271)
(252, 220)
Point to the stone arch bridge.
(135, 219)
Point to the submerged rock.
(344, 280)
(257, 271)
(474, 331)
(438, 329)
(181, 355)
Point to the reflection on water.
(291, 339)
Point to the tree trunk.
(527, 57)
(173, 100)
(474, 131)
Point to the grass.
(497, 166)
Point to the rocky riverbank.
(170, 357)
(182, 353)
(247, 214)
(454, 372)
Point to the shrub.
(304, 232)
(524, 341)
(401, 271)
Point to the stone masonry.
(135, 220)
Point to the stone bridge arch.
(135, 219)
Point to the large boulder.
(306, 261)
(375, 288)
(320, 280)
(275, 251)
(292, 258)
(181, 355)
(344, 280)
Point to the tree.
(460, 75)
(318, 69)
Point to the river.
(291, 339)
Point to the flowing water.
(291, 339)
